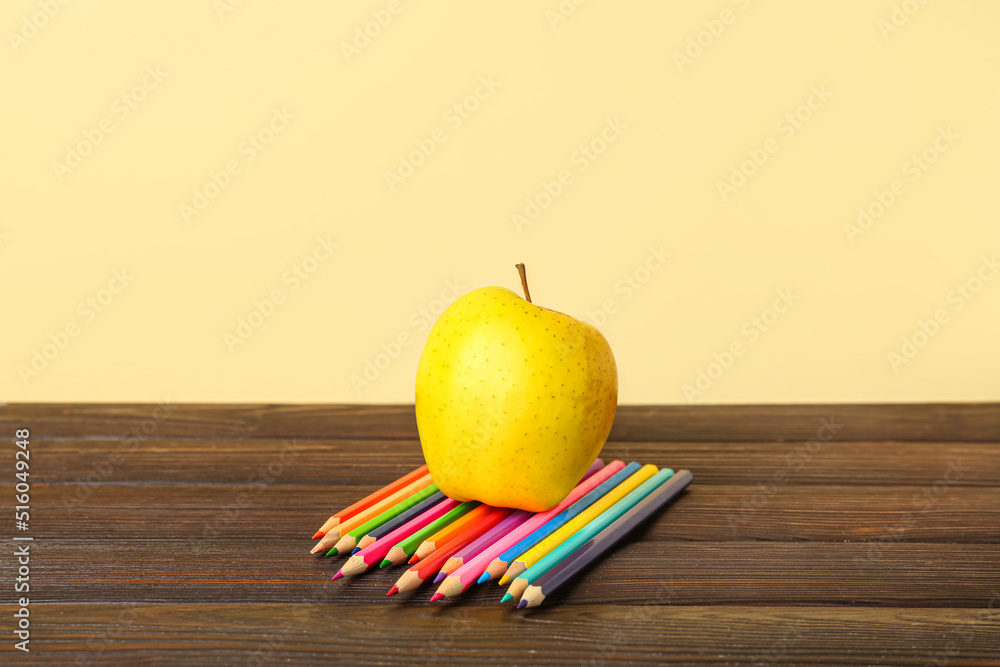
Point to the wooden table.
(179, 534)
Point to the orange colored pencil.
(449, 532)
(370, 500)
(343, 528)
(430, 566)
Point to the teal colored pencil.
(402, 551)
(563, 571)
(589, 531)
(558, 520)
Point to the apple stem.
(524, 282)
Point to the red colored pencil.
(369, 500)
(468, 522)
(373, 554)
(428, 567)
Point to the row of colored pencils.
(458, 544)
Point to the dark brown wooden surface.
(867, 552)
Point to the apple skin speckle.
(489, 430)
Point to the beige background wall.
(129, 256)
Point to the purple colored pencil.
(475, 548)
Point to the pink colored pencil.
(373, 554)
(473, 549)
(461, 579)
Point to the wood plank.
(260, 569)
(972, 422)
(703, 513)
(598, 635)
(373, 463)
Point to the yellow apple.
(513, 401)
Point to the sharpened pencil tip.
(440, 577)
(392, 591)
(337, 576)
(483, 578)
(385, 563)
(503, 580)
(331, 552)
(522, 604)
(436, 597)
(356, 550)
(506, 597)
(413, 559)
(319, 534)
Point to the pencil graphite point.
(355, 550)
(506, 597)
(337, 576)
(440, 577)
(385, 563)
(517, 587)
(522, 604)
(392, 591)
(436, 597)
(331, 552)
(483, 578)
(413, 559)
(503, 580)
(319, 534)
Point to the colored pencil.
(369, 500)
(349, 541)
(344, 527)
(485, 565)
(392, 525)
(373, 554)
(566, 515)
(564, 562)
(428, 567)
(473, 549)
(402, 551)
(540, 550)
(460, 525)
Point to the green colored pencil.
(349, 541)
(402, 551)
(589, 531)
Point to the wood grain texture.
(747, 423)
(183, 539)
